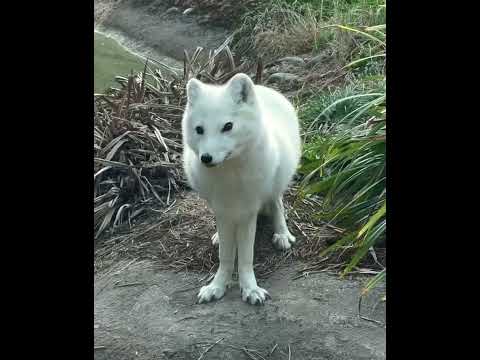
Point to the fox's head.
(220, 122)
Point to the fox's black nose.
(206, 158)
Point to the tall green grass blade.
(373, 282)
(356, 62)
(366, 244)
(373, 220)
(371, 37)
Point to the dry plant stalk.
(137, 135)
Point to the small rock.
(292, 60)
(283, 77)
(316, 60)
(188, 11)
(171, 10)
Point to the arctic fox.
(241, 149)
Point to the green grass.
(332, 8)
(337, 106)
(345, 131)
(110, 60)
(292, 27)
(348, 169)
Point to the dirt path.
(148, 28)
(141, 313)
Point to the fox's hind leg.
(282, 239)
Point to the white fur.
(254, 163)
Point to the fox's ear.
(241, 88)
(194, 88)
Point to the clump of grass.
(280, 28)
(344, 157)
(334, 106)
(348, 170)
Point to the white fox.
(241, 149)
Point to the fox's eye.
(227, 127)
(199, 130)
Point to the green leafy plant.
(344, 154)
(350, 174)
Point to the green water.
(110, 60)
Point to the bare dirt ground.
(144, 310)
(146, 314)
(141, 313)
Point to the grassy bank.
(344, 159)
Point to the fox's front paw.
(210, 292)
(283, 241)
(215, 239)
(255, 295)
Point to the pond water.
(112, 59)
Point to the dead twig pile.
(178, 238)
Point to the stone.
(292, 60)
(171, 10)
(282, 78)
(316, 60)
